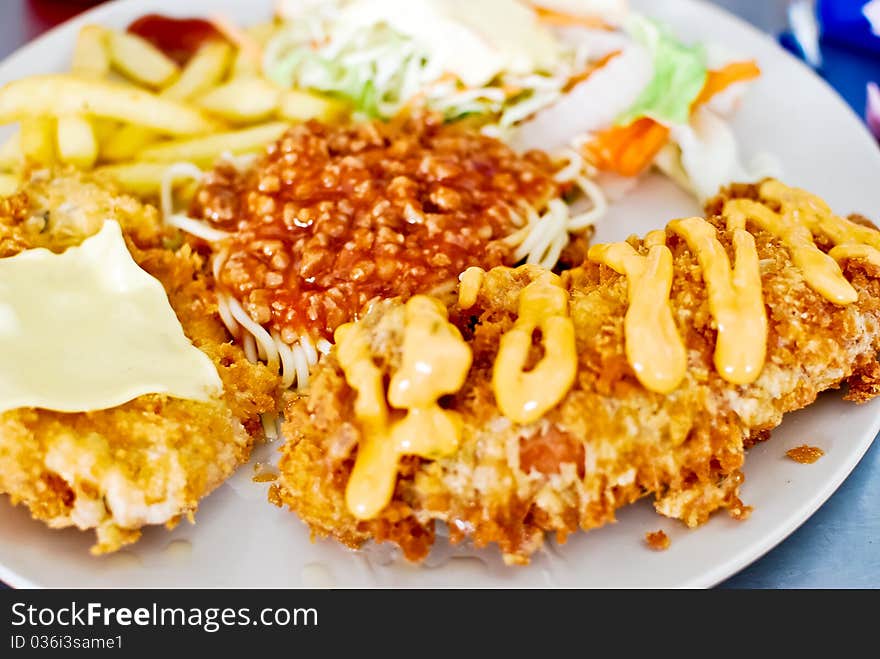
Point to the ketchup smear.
(179, 38)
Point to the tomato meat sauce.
(332, 217)
(179, 38)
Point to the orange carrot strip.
(590, 70)
(628, 150)
(563, 19)
(718, 81)
(638, 155)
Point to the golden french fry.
(245, 65)
(204, 150)
(38, 139)
(298, 105)
(138, 59)
(68, 94)
(77, 144)
(202, 72)
(247, 62)
(90, 56)
(237, 35)
(143, 179)
(10, 153)
(206, 69)
(104, 130)
(261, 32)
(127, 142)
(8, 184)
(242, 100)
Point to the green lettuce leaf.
(679, 75)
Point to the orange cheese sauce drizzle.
(469, 285)
(525, 396)
(851, 240)
(792, 228)
(736, 301)
(735, 295)
(435, 362)
(654, 348)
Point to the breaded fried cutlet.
(610, 440)
(151, 460)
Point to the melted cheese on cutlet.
(88, 329)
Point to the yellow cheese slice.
(88, 329)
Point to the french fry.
(8, 184)
(204, 150)
(38, 139)
(261, 32)
(104, 130)
(68, 94)
(206, 69)
(298, 105)
(77, 144)
(143, 179)
(127, 142)
(245, 65)
(243, 100)
(251, 42)
(238, 36)
(203, 71)
(10, 153)
(90, 57)
(138, 59)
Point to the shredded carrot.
(563, 19)
(590, 70)
(448, 76)
(718, 81)
(630, 150)
(237, 36)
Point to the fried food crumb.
(864, 383)
(657, 540)
(264, 473)
(739, 511)
(805, 455)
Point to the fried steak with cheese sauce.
(610, 441)
(151, 460)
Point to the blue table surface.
(839, 546)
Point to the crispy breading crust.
(151, 460)
(610, 441)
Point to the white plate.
(240, 540)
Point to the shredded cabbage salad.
(380, 71)
(680, 72)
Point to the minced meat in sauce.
(332, 217)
